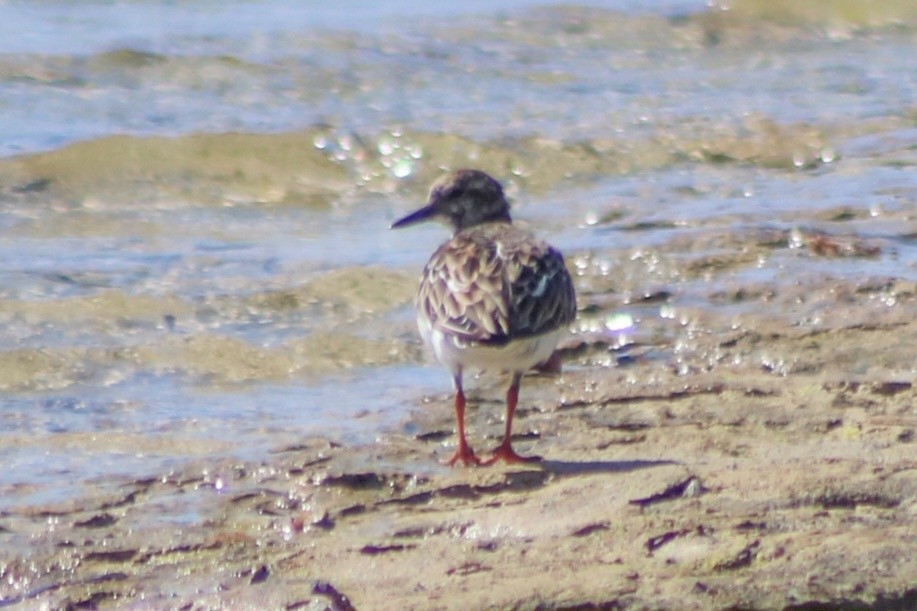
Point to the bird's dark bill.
(418, 216)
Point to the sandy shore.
(748, 485)
(198, 279)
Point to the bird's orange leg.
(553, 364)
(505, 451)
(463, 452)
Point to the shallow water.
(193, 205)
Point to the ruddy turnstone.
(494, 297)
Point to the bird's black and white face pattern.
(462, 199)
(466, 198)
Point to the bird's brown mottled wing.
(491, 284)
(542, 292)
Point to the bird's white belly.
(516, 356)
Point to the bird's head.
(462, 199)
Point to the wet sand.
(727, 483)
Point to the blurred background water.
(194, 198)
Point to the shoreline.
(703, 490)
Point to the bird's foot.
(465, 454)
(506, 453)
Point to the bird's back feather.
(494, 283)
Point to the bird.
(492, 298)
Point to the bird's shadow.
(569, 467)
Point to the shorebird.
(491, 298)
